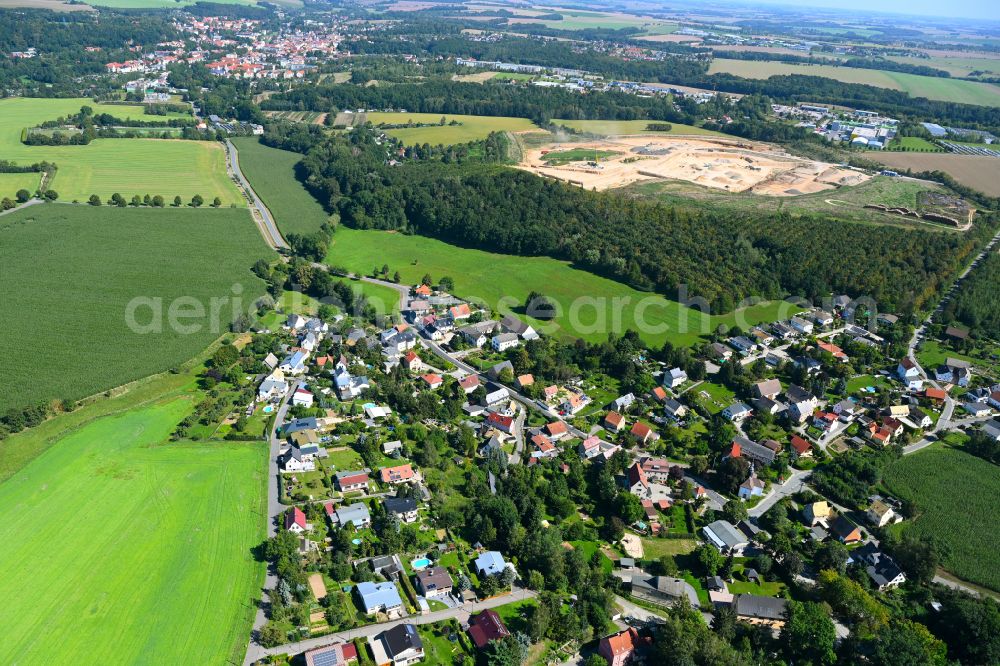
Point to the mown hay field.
(128, 166)
(955, 494)
(931, 87)
(127, 549)
(10, 183)
(68, 273)
(978, 172)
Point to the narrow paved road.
(26, 204)
(461, 613)
(261, 215)
(274, 510)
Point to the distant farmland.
(981, 173)
(931, 87)
(128, 166)
(68, 273)
(623, 127)
(469, 128)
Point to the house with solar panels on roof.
(339, 654)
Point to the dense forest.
(977, 304)
(722, 258)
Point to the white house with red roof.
(295, 521)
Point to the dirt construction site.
(725, 164)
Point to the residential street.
(461, 613)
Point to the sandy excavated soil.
(726, 164)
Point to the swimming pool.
(420, 563)
(269, 409)
(356, 542)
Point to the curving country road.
(261, 215)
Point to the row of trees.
(155, 201)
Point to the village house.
(882, 569)
(412, 362)
(397, 475)
(643, 434)
(908, 373)
(752, 487)
(743, 447)
(613, 422)
(347, 482)
(490, 563)
(295, 521)
(674, 377)
(880, 514)
(817, 512)
(356, 514)
(556, 430)
(523, 381)
(400, 645)
(486, 627)
(846, 531)
(736, 412)
(725, 537)
(380, 598)
(505, 341)
(512, 324)
(404, 508)
(339, 654)
(663, 590)
(434, 582)
(574, 402)
(619, 649)
(302, 398)
(469, 384)
(674, 409)
(769, 388)
(800, 447)
(757, 610)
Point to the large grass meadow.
(68, 273)
(127, 166)
(10, 183)
(118, 547)
(504, 281)
(469, 128)
(956, 497)
(931, 87)
(623, 127)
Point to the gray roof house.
(723, 535)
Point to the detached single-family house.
(881, 568)
(624, 402)
(846, 531)
(347, 482)
(674, 377)
(486, 627)
(412, 362)
(405, 508)
(752, 487)
(769, 388)
(379, 598)
(737, 412)
(613, 422)
(490, 563)
(816, 512)
(295, 521)
(514, 325)
(556, 430)
(643, 434)
(636, 481)
(338, 654)
(619, 649)
(801, 325)
(908, 373)
(302, 398)
(294, 363)
(397, 475)
(400, 645)
(674, 409)
(356, 514)
(434, 582)
(880, 514)
(469, 384)
(800, 447)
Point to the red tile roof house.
(433, 381)
(643, 433)
(614, 421)
(618, 648)
(399, 474)
(500, 422)
(660, 394)
(486, 627)
(636, 480)
(800, 447)
(656, 469)
(412, 362)
(556, 430)
(350, 481)
(295, 521)
(524, 381)
(460, 312)
(339, 654)
(469, 384)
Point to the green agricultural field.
(621, 127)
(127, 166)
(955, 494)
(10, 183)
(914, 143)
(295, 210)
(128, 549)
(471, 128)
(69, 273)
(961, 67)
(592, 305)
(931, 87)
